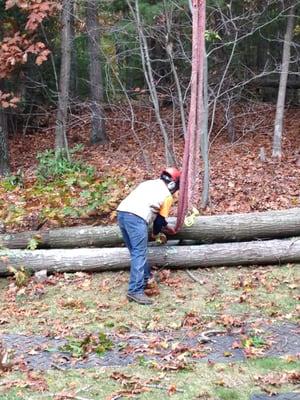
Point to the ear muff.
(171, 185)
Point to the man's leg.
(147, 274)
(135, 233)
(137, 230)
(122, 225)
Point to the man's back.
(146, 199)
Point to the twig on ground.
(3, 383)
(162, 387)
(84, 389)
(192, 276)
(55, 366)
(66, 395)
(79, 398)
(204, 336)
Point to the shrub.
(53, 166)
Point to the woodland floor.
(240, 181)
(75, 336)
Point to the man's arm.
(158, 224)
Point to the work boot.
(139, 298)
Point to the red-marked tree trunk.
(189, 182)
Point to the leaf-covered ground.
(240, 180)
(158, 351)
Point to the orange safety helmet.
(171, 176)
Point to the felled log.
(110, 259)
(80, 236)
(206, 229)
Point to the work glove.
(160, 238)
(169, 230)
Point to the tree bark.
(212, 255)
(74, 61)
(204, 139)
(206, 229)
(189, 193)
(98, 133)
(282, 85)
(64, 80)
(4, 153)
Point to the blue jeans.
(135, 234)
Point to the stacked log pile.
(239, 239)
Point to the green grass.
(228, 394)
(221, 381)
(98, 301)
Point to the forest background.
(95, 98)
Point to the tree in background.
(98, 133)
(282, 85)
(18, 44)
(235, 36)
(4, 156)
(149, 78)
(61, 142)
(237, 66)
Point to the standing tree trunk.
(74, 64)
(189, 193)
(61, 143)
(204, 144)
(4, 154)
(282, 85)
(98, 133)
